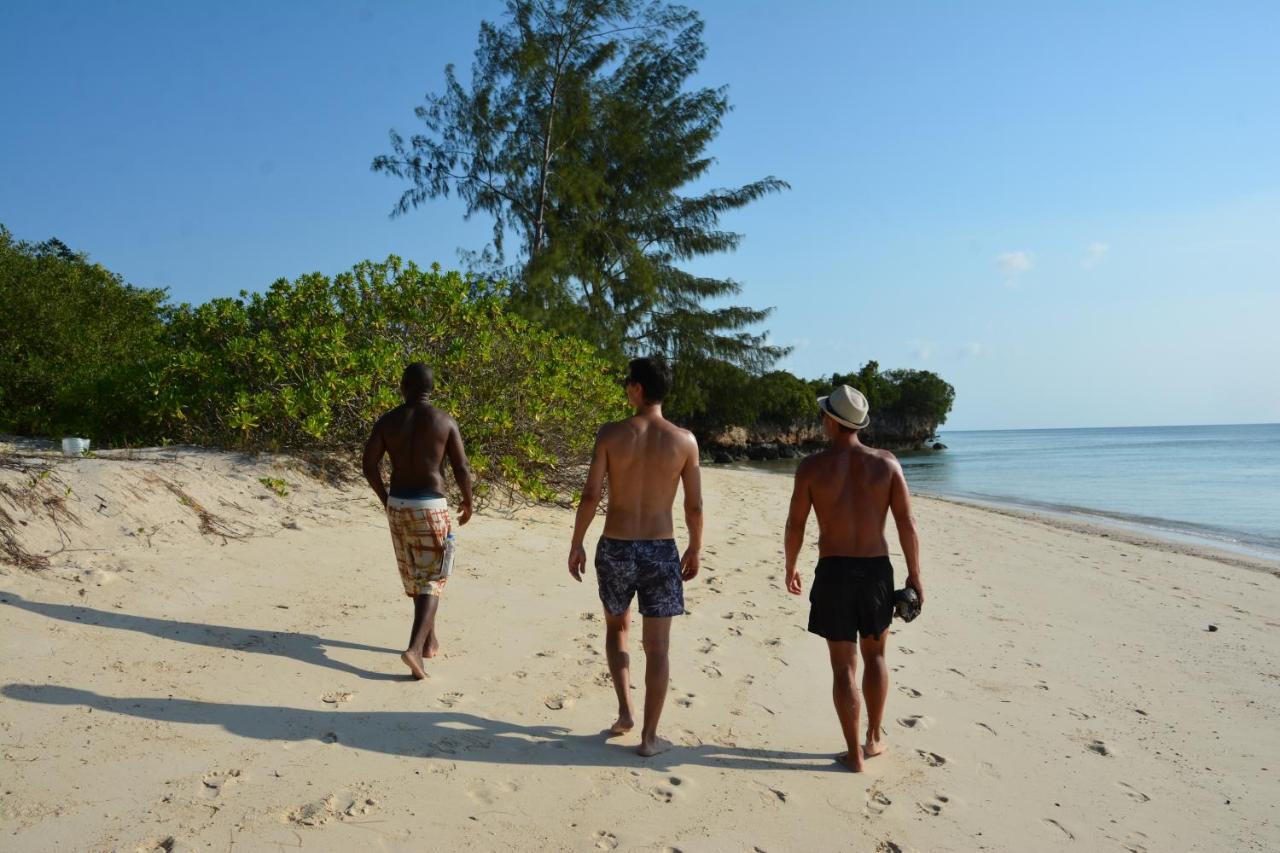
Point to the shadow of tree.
(304, 648)
(452, 735)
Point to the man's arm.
(461, 470)
(900, 504)
(691, 484)
(592, 492)
(374, 449)
(797, 517)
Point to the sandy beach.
(206, 664)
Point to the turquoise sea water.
(1220, 483)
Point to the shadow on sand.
(304, 648)
(418, 734)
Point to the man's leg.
(615, 648)
(844, 693)
(657, 674)
(424, 618)
(875, 689)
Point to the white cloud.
(973, 349)
(1094, 255)
(921, 349)
(1014, 264)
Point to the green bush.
(310, 363)
(76, 344)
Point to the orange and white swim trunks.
(422, 533)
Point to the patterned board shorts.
(421, 531)
(649, 568)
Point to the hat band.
(826, 407)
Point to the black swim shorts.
(851, 597)
(648, 567)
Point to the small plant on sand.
(275, 484)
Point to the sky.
(1069, 211)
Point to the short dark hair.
(652, 374)
(417, 379)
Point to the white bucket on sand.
(74, 446)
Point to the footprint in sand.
(158, 844)
(557, 702)
(935, 806)
(915, 721)
(605, 840)
(1068, 833)
(985, 726)
(488, 793)
(450, 699)
(906, 651)
(711, 672)
(706, 646)
(1133, 793)
(910, 691)
(1042, 685)
(1099, 748)
(877, 802)
(337, 697)
(662, 793)
(931, 758)
(735, 632)
(888, 846)
(686, 700)
(217, 781)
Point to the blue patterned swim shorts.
(647, 567)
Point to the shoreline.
(1218, 545)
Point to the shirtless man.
(852, 487)
(644, 458)
(418, 437)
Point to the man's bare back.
(851, 489)
(644, 459)
(417, 436)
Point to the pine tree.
(576, 135)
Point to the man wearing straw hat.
(851, 488)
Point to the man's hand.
(577, 562)
(794, 585)
(689, 565)
(464, 512)
(915, 583)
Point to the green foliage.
(76, 343)
(275, 484)
(576, 134)
(311, 363)
(904, 395)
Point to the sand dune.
(206, 664)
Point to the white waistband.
(417, 503)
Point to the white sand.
(1061, 690)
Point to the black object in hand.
(906, 604)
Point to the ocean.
(1218, 484)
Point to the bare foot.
(622, 725)
(873, 747)
(851, 761)
(652, 747)
(433, 646)
(413, 660)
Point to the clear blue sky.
(1071, 211)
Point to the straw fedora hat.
(847, 406)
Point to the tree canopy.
(578, 134)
